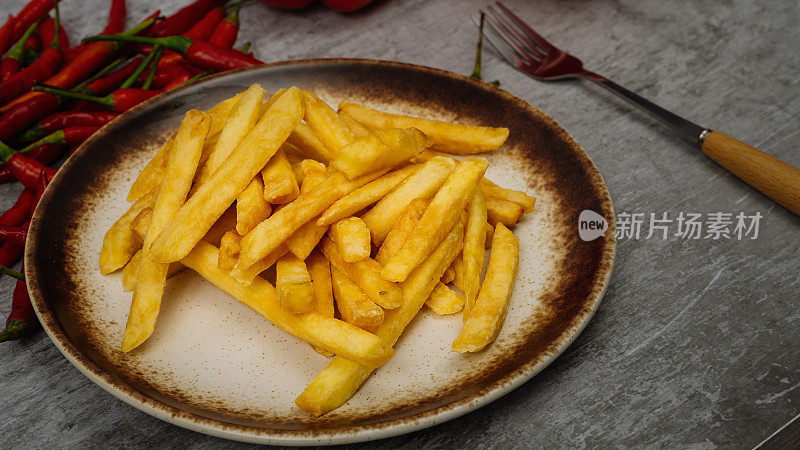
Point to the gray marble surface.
(696, 342)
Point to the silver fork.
(533, 55)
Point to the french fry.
(251, 208)
(474, 247)
(366, 274)
(382, 149)
(326, 332)
(440, 216)
(229, 248)
(309, 167)
(320, 270)
(423, 184)
(444, 301)
(485, 318)
(304, 139)
(526, 201)
(351, 236)
(241, 119)
(489, 235)
(447, 137)
(341, 378)
(131, 269)
(141, 223)
(326, 124)
(120, 241)
(150, 177)
(262, 264)
(366, 195)
(449, 276)
(225, 223)
(459, 276)
(503, 211)
(354, 305)
(306, 238)
(356, 128)
(280, 185)
(295, 292)
(401, 230)
(274, 231)
(151, 276)
(195, 217)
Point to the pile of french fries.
(362, 214)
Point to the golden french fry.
(151, 276)
(526, 201)
(440, 216)
(444, 301)
(474, 247)
(326, 332)
(351, 236)
(251, 208)
(341, 378)
(485, 318)
(304, 139)
(366, 195)
(194, 218)
(447, 137)
(241, 119)
(320, 270)
(120, 241)
(326, 124)
(229, 250)
(423, 184)
(274, 231)
(141, 223)
(306, 238)
(130, 271)
(503, 211)
(382, 149)
(449, 276)
(280, 184)
(366, 274)
(309, 167)
(401, 230)
(247, 276)
(489, 235)
(459, 277)
(354, 305)
(295, 292)
(356, 128)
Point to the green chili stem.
(159, 50)
(12, 273)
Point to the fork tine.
(530, 46)
(508, 53)
(509, 39)
(534, 35)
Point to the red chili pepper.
(118, 101)
(24, 169)
(44, 67)
(21, 116)
(175, 73)
(45, 154)
(288, 4)
(92, 57)
(116, 17)
(16, 215)
(61, 120)
(107, 84)
(12, 234)
(184, 18)
(22, 318)
(12, 62)
(47, 32)
(345, 6)
(199, 53)
(7, 34)
(228, 30)
(203, 29)
(33, 12)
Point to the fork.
(533, 55)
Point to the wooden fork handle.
(773, 177)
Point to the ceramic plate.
(217, 367)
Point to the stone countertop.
(696, 341)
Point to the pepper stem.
(246, 47)
(56, 28)
(158, 50)
(476, 71)
(139, 69)
(179, 44)
(18, 50)
(6, 153)
(14, 330)
(12, 273)
(56, 137)
(106, 101)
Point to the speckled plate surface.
(217, 367)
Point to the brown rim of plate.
(603, 253)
